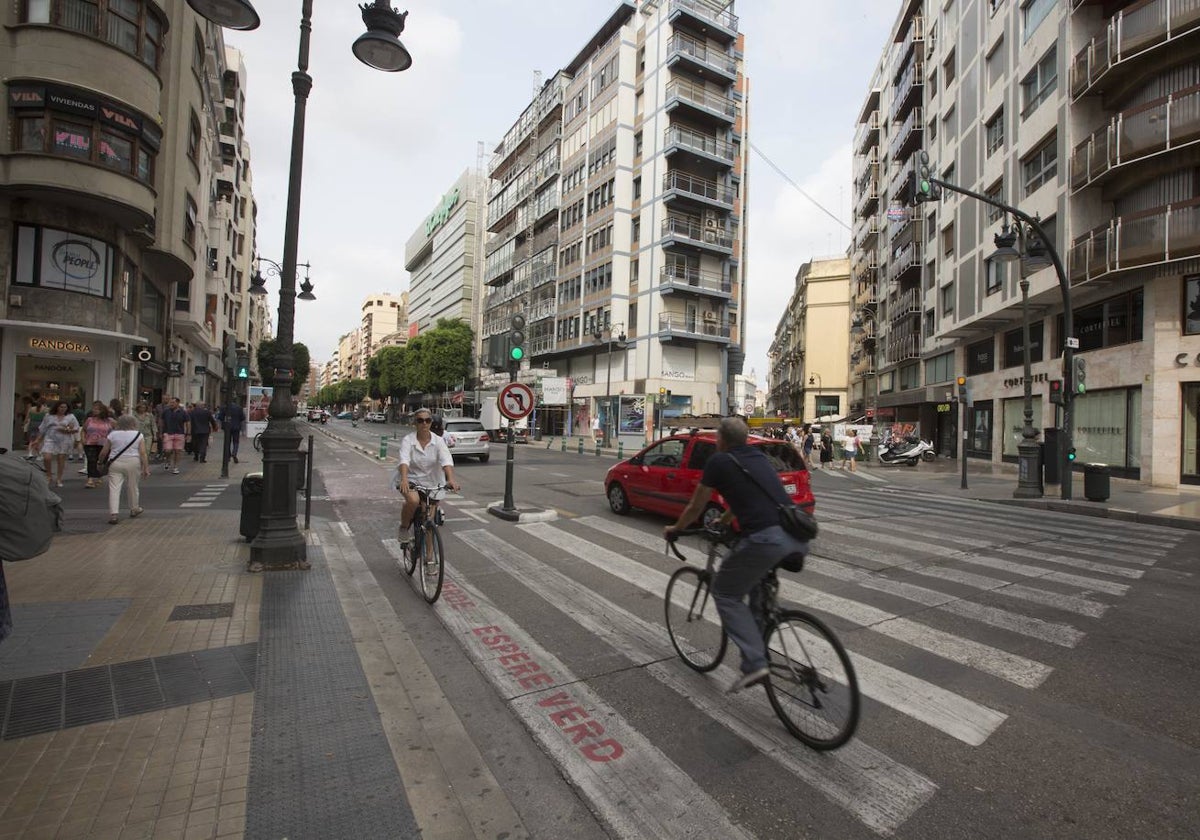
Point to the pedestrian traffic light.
(516, 339)
(1080, 375)
(1071, 454)
(1056, 391)
(242, 369)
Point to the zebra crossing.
(953, 611)
(205, 496)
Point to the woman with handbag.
(56, 439)
(96, 427)
(126, 459)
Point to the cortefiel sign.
(442, 213)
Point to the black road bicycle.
(425, 550)
(812, 686)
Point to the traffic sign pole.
(510, 452)
(515, 402)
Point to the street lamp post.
(817, 397)
(279, 544)
(856, 328)
(598, 336)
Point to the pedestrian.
(126, 446)
(232, 420)
(96, 427)
(175, 426)
(80, 416)
(33, 422)
(147, 424)
(597, 433)
(116, 408)
(202, 425)
(807, 441)
(55, 440)
(850, 450)
(826, 443)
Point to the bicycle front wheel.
(258, 442)
(812, 687)
(692, 620)
(408, 555)
(433, 564)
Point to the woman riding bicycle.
(763, 542)
(424, 458)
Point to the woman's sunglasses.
(423, 420)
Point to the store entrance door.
(1190, 469)
(47, 379)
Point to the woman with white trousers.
(131, 461)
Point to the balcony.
(904, 304)
(901, 348)
(543, 309)
(866, 232)
(867, 199)
(909, 90)
(1153, 237)
(914, 35)
(864, 164)
(677, 185)
(911, 226)
(905, 261)
(700, 102)
(709, 236)
(698, 58)
(867, 134)
(713, 19)
(907, 137)
(1134, 31)
(675, 325)
(541, 344)
(678, 139)
(678, 278)
(1172, 122)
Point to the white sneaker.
(175, 471)
(748, 679)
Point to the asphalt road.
(1027, 674)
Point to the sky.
(381, 149)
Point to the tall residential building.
(443, 258)
(383, 315)
(110, 157)
(1081, 114)
(349, 355)
(616, 212)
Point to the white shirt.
(425, 463)
(118, 439)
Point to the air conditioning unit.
(710, 236)
(710, 221)
(15, 301)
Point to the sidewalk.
(153, 688)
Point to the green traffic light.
(1071, 455)
(925, 186)
(516, 354)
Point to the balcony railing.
(669, 322)
(677, 227)
(702, 98)
(694, 280)
(909, 131)
(712, 12)
(865, 163)
(907, 258)
(914, 35)
(543, 309)
(1158, 126)
(867, 132)
(868, 196)
(913, 78)
(906, 303)
(902, 347)
(700, 187)
(1130, 32)
(679, 136)
(1152, 237)
(698, 51)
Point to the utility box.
(1050, 459)
(252, 491)
(1097, 482)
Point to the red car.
(662, 477)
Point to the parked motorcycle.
(907, 450)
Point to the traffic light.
(1080, 375)
(923, 189)
(242, 366)
(964, 390)
(230, 350)
(662, 395)
(1071, 454)
(516, 339)
(1056, 391)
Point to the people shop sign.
(442, 213)
(61, 345)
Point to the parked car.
(662, 477)
(467, 438)
(376, 417)
(346, 415)
(317, 415)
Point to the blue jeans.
(739, 575)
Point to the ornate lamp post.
(857, 329)
(598, 337)
(1033, 257)
(815, 377)
(279, 544)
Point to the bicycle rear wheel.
(433, 564)
(692, 620)
(258, 442)
(812, 687)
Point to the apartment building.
(350, 364)
(810, 374)
(1076, 112)
(616, 212)
(109, 158)
(383, 315)
(443, 257)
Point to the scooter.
(906, 450)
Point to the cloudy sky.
(381, 148)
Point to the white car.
(376, 417)
(467, 438)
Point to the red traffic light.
(1055, 386)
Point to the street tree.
(446, 355)
(301, 362)
(392, 381)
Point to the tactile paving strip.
(320, 764)
(74, 698)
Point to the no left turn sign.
(515, 400)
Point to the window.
(995, 63)
(995, 272)
(1041, 166)
(132, 26)
(1032, 15)
(995, 133)
(637, 188)
(193, 150)
(933, 129)
(635, 232)
(77, 124)
(59, 259)
(981, 357)
(939, 368)
(981, 430)
(183, 296)
(948, 240)
(996, 193)
(129, 286)
(930, 323)
(198, 54)
(1191, 305)
(637, 145)
(1109, 323)
(948, 68)
(931, 226)
(1039, 83)
(910, 376)
(1014, 341)
(947, 294)
(189, 221)
(151, 307)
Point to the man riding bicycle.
(762, 545)
(424, 458)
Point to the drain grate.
(75, 698)
(199, 612)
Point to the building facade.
(383, 315)
(110, 152)
(616, 210)
(1074, 112)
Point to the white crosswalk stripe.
(204, 497)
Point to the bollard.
(581, 446)
(620, 450)
(564, 444)
(597, 449)
(382, 447)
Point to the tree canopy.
(301, 363)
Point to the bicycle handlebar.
(712, 535)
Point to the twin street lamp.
(598, 337)
(279, 544)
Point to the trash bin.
(252, 491)
(1096, 482)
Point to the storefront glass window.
(72, 139)
(981, 429)
(1108, 426)
(31, 134)
(981, 357)
(1014, 422)
(1190, 471)
(1191, 305)
(59, 259)
(116, 152)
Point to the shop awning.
(71, 329)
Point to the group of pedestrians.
(810, 439)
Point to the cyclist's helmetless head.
(732, 432)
